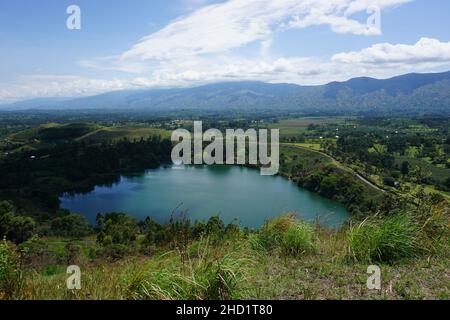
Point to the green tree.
(71, 225)
(14, 227)
(405, 168)
(117, 228)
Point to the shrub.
(71, 225)
(35, 252)
(116, 228)
(389, 181)
(215, 227)
(14, 227)
(385, 239)
(72, 253)
(10, 271)
(114, 251)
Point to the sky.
(136, 44)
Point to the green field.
(437, 173)
(47, 134)
(122, 132)
(297, 127)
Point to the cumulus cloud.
(202, 47)
(425, 50)
(380, 60)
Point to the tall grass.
(10, 271)
(385, 239)
(292, 236)
(211, 275)
(263, 264)
(298, 239)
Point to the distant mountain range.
(407, 94)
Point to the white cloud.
(224, 27)
(114, 63)
(380, 60)
(42, 85)
(402, 58)
(425, 50)
(202, 48)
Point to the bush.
(215, 227)
(385, 239)
(389, 181)
(10, 271)
(116, 228)
(15, 227)
(71, 225)
(72, 253)
(35, 252)
(114, 251)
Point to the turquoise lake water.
(233, 193)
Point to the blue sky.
(127, 44)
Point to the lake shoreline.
(272, 196)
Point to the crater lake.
(236, 194)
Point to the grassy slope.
(34, 138)
(324, 274)
(121, 132)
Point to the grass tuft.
(298, 239)
(293, 237)
(208, 276)
(385, 239)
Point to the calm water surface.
(204, 191)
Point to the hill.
(422, 94)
